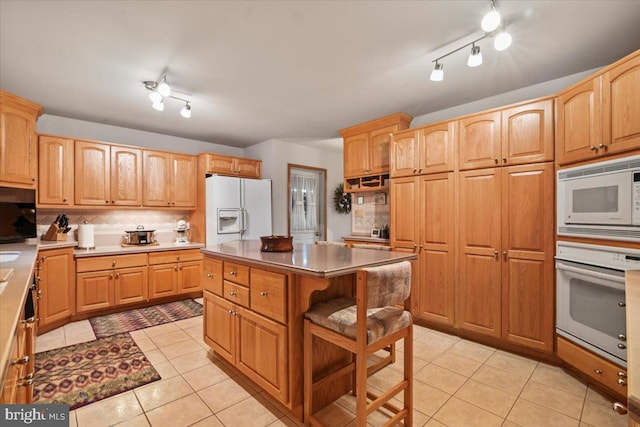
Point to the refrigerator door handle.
(243, 226)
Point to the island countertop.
(307, 259)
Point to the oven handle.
(560, 265)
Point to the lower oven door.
(590, 308)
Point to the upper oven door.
(599, 199)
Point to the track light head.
(159, 106)
(475, 58)
(186, 111)
(502, 40)
(155, 97)
(437, 75)
(163, 88)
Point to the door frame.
(324, 196)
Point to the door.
(92, 174)
(163, 280)
(220, 326)
(224, 217)
(404, 212)
(94, 290)
(621, 101)
(479, 296)
(131, 285)
(256, 202)
(480, 141)
(183, 183)
(527, 133)
(55, 171)
(307, 203)
(18, 150)
(157, 178)
(404, 153)
(190, 276)
(126, 176)
(355, 155)
(379, 149)
(437, 148)
(56, 281)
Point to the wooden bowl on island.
(276, 243)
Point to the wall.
(373, 212)
(80, 129)
(276, 154)
(539, 90)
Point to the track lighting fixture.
(492, 26)
(160, 92)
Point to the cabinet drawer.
(110, 261)
(269, 294)
(236, 294)
(174, 256)
(594, 366)
(237, 273)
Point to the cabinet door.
(220, 326)
(405, 212)
(212, 275)
(262, 352)
(92, 173)
(189, 277)
(222, 165)
(621, 100)
(579, 122)
(480, 141)
(437, 255)
(527, 242)
(184, 181)
(126, 176)
(18, 147)
(379, 141)
(55, 171)
(404, 154)
(356, 155)
(527, 133)
(437, 148)
(479, 297)
(56, 281)
(131, 285)
(163, 280)
(157, 178)
(94, 290)
(248, 168)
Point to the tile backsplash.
(110, 225)
(373, 212)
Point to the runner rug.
(132, 320)
(84, 373)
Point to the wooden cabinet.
(520, 134)
(437, 248)
(106, 281)
(212, 275)
(233, 166)
(55, 171)
(430, 149)
(506, 254)
(92, 173)
(621, 107)
(367, 145)
(169, 179)
(247, 326)
(55, 277)
(126, 176)
(18, 142)
(405, 213)
(174, 272)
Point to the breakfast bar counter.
(254, 305)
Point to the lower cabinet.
(174, 272)
(55, 271)
(107, 281)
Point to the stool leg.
(308, 373)
(408, 376)
(361, 387)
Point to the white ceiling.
(256, 70)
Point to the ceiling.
(256, 70)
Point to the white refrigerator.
(237, 208)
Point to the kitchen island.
(254, 303)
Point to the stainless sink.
(8, 256)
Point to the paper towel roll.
(85, 236)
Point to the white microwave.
(600, 200)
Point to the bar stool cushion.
(339, 315)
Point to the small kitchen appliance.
(140, 236)
(182, 233)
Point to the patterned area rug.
(88, 372)
(132, 320)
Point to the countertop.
(632, 298)
(308, 259)
(366, 239)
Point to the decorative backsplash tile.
(373, 212)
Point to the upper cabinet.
(520, 134)
(55, 171)
(600, 116)
(169, 179)
(233, 166)
(367, 145)
(18, 142)
(126, 176)
(429, 149)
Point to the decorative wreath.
(342, 200)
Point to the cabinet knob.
(21, 361)
(622, 337)
(233, 273)
(420, 170)
(34, 179)
(106, 201)
(504, 255)
(43, 258)
(263, 294)
(495, 160)
(180, 266)
(38, 278)
(178, 257)
(117, 275)
(113, 263)
(622, 374)
(504, 160)
(111, 276)
(64, 200)
(619, 408)
(29, 320)
(598, 371)
(602, 146)
(233, 293)
(26, 383)
(27, 377)
(621, 346)
(622, 382)
(175, 268)
(210, 275)
(593, 148)
(415, 170)
(496, 254)
(622, 304)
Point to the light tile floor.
(457, 383)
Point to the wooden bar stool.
(363, 325)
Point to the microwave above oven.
(600, 200)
